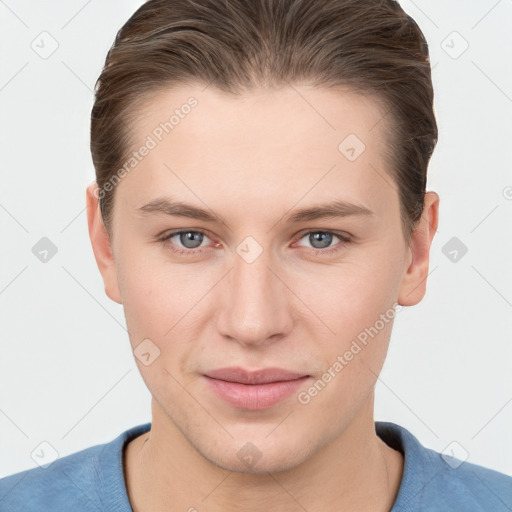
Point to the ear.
(414, 281)
(101, 244)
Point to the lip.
(254, 389)
(263, 376)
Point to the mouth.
(254, 390)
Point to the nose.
(255, 303)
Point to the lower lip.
(255, 396)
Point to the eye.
(321, 240)
(189, 240)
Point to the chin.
(258, 458)
(274, 464)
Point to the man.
(260, 211)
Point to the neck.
(358, 471)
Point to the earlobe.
(101, 244)
(414, 281)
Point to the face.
(250, 284)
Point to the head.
(260, 114)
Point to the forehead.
(278, 144)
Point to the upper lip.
(261, 376)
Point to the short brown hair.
(371, 46)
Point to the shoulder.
(482, 487)
(84, 481)
(435, 481)
(68, 480)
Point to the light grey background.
(67, 374)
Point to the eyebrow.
(334, 209)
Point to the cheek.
(351, 296)
(352, 358)
(153, 306)
(162, 303)
(356, 306)
(147, 296)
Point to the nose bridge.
(255, 304)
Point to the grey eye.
(320, 239)
(190, 239)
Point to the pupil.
(324, 238)
(190, 236)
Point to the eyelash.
(344, 237)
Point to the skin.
(253, 160)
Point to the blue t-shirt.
(92, 480)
